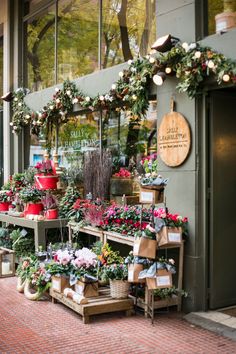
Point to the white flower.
(11, 124)
(15, 99)
(107, 97)
(130, 61)
(75, 100)
(20, 104)
(27, 116)
(40, 115)
(152, 60)
(68, 92)
(113, 86)
(171, 261)
(51, 106)
(133, 70)
(121, 74)
(58, 100)
(87, 98)
(210, 64)
(57, 89)
(185, 46)
(168, 70)
(147, 57)
(197, 54)
(101, 98)
(134, 97)
(192, 46)
(226, 78)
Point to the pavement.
(43, 327)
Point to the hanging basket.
(33, 209)
(119, 289)
(43, 182)
(4, 206)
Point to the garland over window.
(190, 63)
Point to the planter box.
(7, 262)
(169, 236)
(133, 273)
(60, 283)
(151, 194)
(162, 280)
(145, 247)
(86, 289)
(120, 186)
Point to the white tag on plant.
(56, 284)
(163, 280)
(130, 275)
(23, 232)
(147, 197)
(79, 289)
(136, 248)
(174, 237)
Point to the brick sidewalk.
(43, 327)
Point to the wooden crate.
(151, 194)
(96, 305)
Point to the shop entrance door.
(222, 202)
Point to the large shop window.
(72, 38)
(126, 139)
(1, 62)
(221, 15)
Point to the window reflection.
(40, 50)
(77, 38)
(1, 64)
(128, 29)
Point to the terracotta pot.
(4, 206)
(33, 208)
(43, 182)
(51, 214)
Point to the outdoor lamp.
(159, 78)
(7, 97)
(165, 43)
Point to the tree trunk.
(124, 31)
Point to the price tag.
(131, 275)
(79, 289)
(56, 285)
(174, 237)
(146, 197)
(163, 280)
(136, 247)
(23, 232)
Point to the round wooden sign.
(174, 139)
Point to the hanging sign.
(174, 139)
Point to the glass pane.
(214, 7)
(129, 28)
(40, 50)
(1, 67)
(129, 140)
(32, 5)
(77, 38)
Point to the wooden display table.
(90, 230)
(96, 305)
(39, 227)
(115, 236)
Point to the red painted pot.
(33, 209)
(51, 214)
(43, 182)
(4, 206)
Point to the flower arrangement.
(190, 63)
(105, 254)
(62, 263)
(67, 201)
(44, 167)
(122, 173)
(23, 269)
(171, 220)
(39, 277)
(115, 271)
(6, 196)
(148, 232)
(49, 201)
(85, 263)
(30, 194)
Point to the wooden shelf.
(115, 236)
(103, 303)
(172, 301)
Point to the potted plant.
(60, 269)
(31, 197)
(50, 204)
(170, 227)
(145, 243)
(85, 271)
(45, 178)
(5, 199)
(117, 275)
